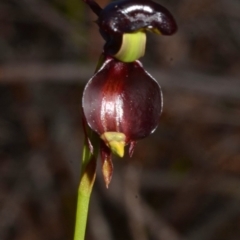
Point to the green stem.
(87, 178)
(81, 216)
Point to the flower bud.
(122, 103)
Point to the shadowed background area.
(182, 182)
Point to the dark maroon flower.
(122, 102)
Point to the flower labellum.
(127, 16)
(120, 23)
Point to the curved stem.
(88, 172)
(87, 178)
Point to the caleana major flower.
(122, 102)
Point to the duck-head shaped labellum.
(127, 16)
(120, 20)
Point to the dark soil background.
(182, 183)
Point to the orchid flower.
(122, 102)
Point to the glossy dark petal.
(122, 97)
(131, 15)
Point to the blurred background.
(182, 183)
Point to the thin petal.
(107, 165)
(131, 148)
(94, 6)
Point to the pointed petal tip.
(117, 148)
(115, 141)
(107, 182)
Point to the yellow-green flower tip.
(133, 47)
(115, 141)
(117, 148)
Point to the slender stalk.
(81, 216)
(88, 175)
(87, 178)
